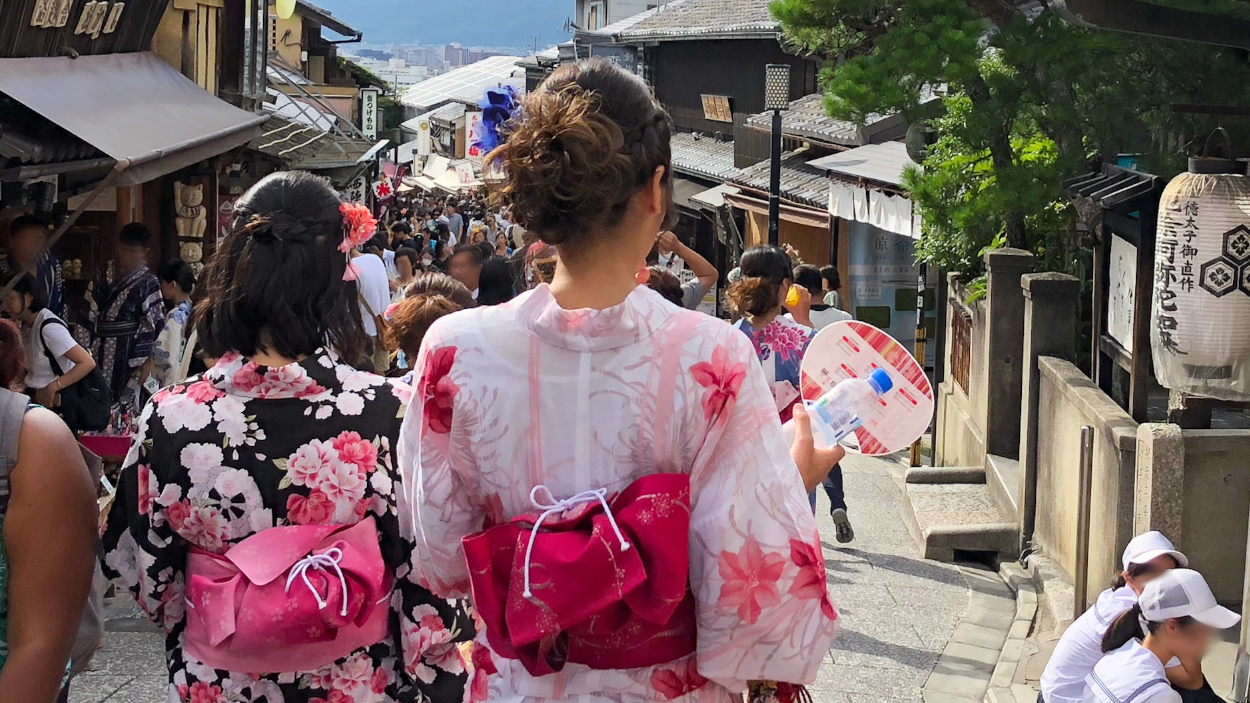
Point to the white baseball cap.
(1183, 592)
(1150, 545)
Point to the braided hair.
(586, 142)
(276, 283)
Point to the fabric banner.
(473, 131)
(892, 213)
(884, 279)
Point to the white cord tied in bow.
(326, 561)
(553, 507)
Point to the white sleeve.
(58, 339)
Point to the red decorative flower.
(751, 578)
(355, 450)
(677, 682)
(722, 380)
(316, 509)
(203, 392)
(810, 582)
(201, 692)
(361, 225)
(437, 391)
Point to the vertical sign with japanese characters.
(369, 112)
(1174, 271)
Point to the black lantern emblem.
(1231, 270)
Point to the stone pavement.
(912, 630)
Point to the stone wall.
(1211, 469)
(1068, 400)
(961, 412)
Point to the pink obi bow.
(594, 579)
(288, 598)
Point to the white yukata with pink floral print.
(527, 393)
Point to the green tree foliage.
(1025, 102)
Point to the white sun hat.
(1151, 545)
(1183, 592)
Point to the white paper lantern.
(1200, 326)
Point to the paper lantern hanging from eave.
(1200, 322)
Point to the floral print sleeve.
(756, 569)
(247, 448)
(442, 503)
(144, 554)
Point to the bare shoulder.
(48, 451)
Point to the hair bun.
(584, 144)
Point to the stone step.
(945, 474)
(1003, 478)
(943, 518)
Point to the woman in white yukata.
(560, 447)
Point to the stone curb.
(966, 667)
(1022, 583)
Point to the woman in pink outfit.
(592, 404)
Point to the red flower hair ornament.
(360, 225)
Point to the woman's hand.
(814, 464)
(46, 396)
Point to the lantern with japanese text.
(1200, 331)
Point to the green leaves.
(1028, 102)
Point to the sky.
(512, 23)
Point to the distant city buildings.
(405, 65)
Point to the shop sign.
(51, 13)
(473, 128)
(716, 108)
(355, 192)
(1122, 295)
(369, 112)
(423, 136)
(464, 172)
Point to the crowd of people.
(572, 486)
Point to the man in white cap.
(1178, 614)
(1146, 557)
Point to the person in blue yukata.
(126, 312)
(28, 253)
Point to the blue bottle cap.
(881, 381)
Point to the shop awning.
(796, 214)
(715, 197)
(133, 107)
(684, 190)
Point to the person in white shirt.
(1146, 557)
(675, 257)
(54, 360)
(822, 315)
(375, 296)
(1179, 615)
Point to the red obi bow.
(594, 580)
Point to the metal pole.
(921, 338)
(774, 184)
(1083, 519)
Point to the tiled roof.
(800, 183)
(704, 19)
(807, 119)
(703, 156)
(628, 23)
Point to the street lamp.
(776, 98)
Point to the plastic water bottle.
(841, 410)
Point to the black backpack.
(85, 405)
